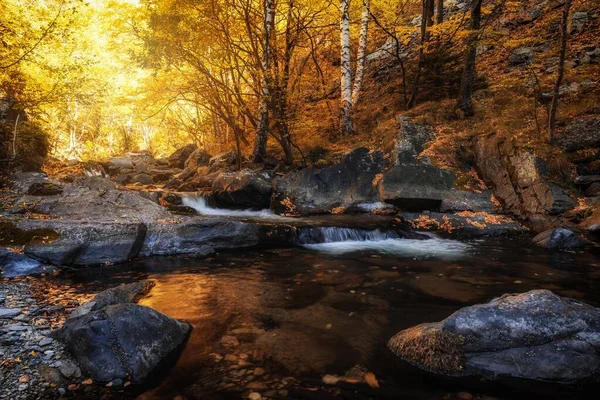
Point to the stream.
(330, 304)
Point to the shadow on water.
(300, 314)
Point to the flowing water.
(331, 304)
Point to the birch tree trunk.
(259, 152)
(346, 126)
(465, 94)
(362, 53)
(564, 34)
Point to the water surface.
(301, 313)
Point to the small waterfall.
(201, 206)
(334, 234)
(336, 241)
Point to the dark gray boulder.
(199, 237)
(245, 189)
(125, 293)
(315, 191)
(416, 187)
(535, 335)
(559, 239)
(85, 243)
(121, 341)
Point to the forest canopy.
(106, 77)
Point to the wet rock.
(126, 293)
(411, 140)
(559, 239)
(181, 210)
(199, 237)
(416, 186)
(15, 265)
(245, 189)
(466, 225)
(520, 56)
(86, 243)
(580, 133)
(44, 189)
(145, 337)
(316, 191)
(180, 156)
(535, 335)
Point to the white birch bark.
(346, 126)
(260, 145)
(361, 54)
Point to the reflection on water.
(275, 321)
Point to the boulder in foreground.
(535, 335)
(116, 339)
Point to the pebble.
(258, 371)
(254, 396)
(330, 379)
(46, 341)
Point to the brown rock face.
(519, 181)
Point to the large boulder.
(201, 237)
(559, 239)
(92, 199)
(416, 187)
(85, 242)
(180, 156)
(520, 181)
(314, 191)
(580, 133)
(245, 189)
(535, 335)
(410, 141)
(122, 341)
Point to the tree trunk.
(259, 152)
(426, 20)
(362, 53)
(346, 126)
(465, 94)
(564, 35)
(439, 11)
